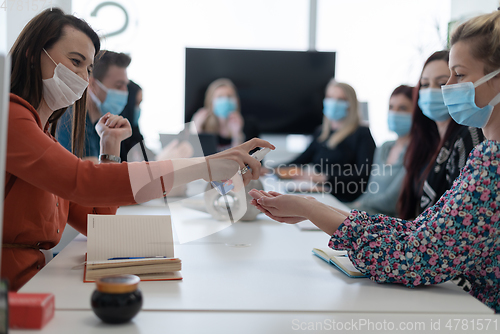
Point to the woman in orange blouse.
(46, 186)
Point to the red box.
(30, 310)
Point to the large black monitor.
(282, 90)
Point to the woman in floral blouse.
(460, 234)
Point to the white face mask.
(64, 88)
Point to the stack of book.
(135, 245)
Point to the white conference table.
(206, 322)
(254, 275)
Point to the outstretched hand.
(288, 209)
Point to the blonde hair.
(351, 122)
(483, 32)
(211, 123)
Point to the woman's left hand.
(288, 209)
(113, 126)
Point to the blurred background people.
(221, 116)
(388, 171)
(132, 112)
(341, 152)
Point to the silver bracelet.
(109, 157)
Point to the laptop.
(203, 144)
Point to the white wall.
(464, 9)
(381, 45)
(23, 11)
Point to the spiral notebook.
(138, 245)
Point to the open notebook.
(338, 259)
(138, 245)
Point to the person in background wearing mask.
(221, 115)
(459, 235)
(341, 151)
(132, 112)
(388, 171)
(130, 147)
(108, 93)
(439, 146)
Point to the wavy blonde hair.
(211, 123)
(351, 122)
(483, 34)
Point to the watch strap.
(110, 157)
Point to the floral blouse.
(459, 235)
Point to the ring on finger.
(243, 170)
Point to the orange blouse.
(53, 187)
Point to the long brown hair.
(41, 32)
(422, 150)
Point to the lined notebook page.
(128, 236)
(329, 253)
(344, 262)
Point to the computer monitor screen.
(282, 91)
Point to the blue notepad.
(339, 260)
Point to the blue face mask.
(430, 100)
(335, 110)
(224, 106)
(460, 100)
(115, 100)
(399, 122)
(137, 114)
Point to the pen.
(137, 257)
